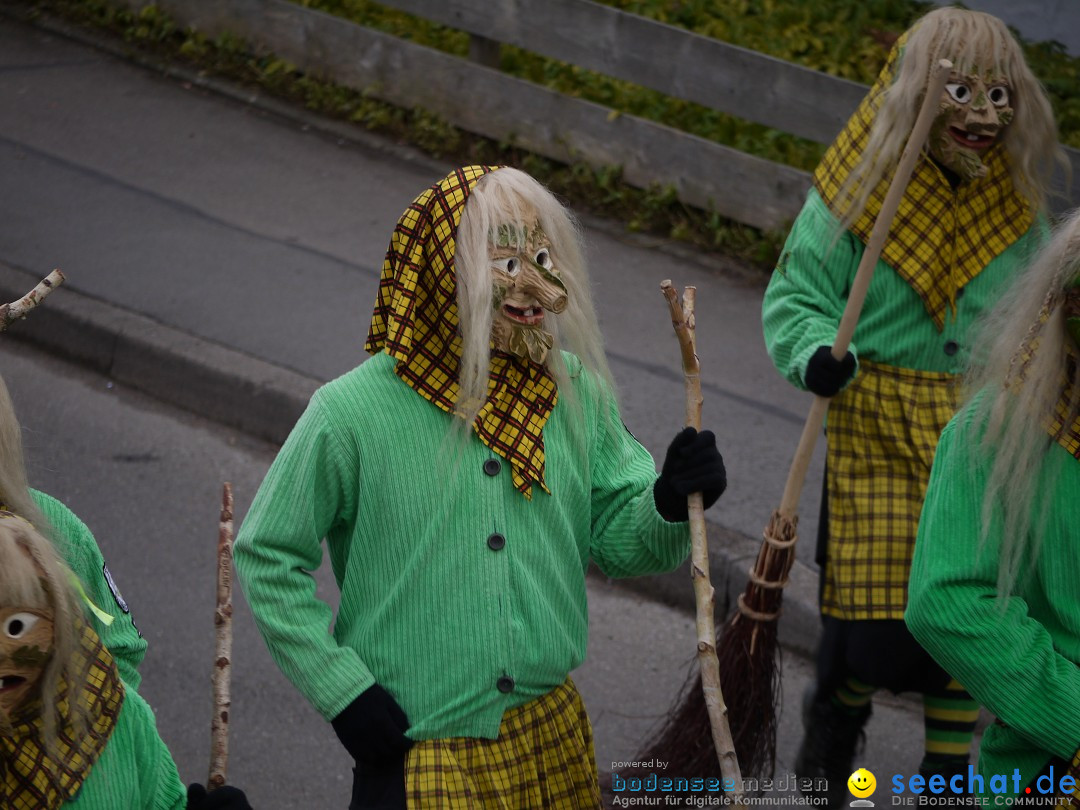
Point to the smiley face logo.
(861, 783)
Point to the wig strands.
(509, 197)
(32, 576)
(1017, 389)
(969, 39)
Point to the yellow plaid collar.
(940, 239)
(416, 322)
(33, 778)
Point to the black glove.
(225, 797)
(825, 375)
(692, 464)
(372, 729)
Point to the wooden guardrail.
(475, 96)
(674, 61)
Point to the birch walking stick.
(9, 313)
(219, 726)
(683, 321)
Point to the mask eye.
(999, 96)
(19, 624)
(543, 258)
(510, 266)
(959, 93)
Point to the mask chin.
(965, 164)
(530, 343)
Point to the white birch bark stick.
(219, 726)
(682, 320)
(9, 313)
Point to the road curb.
(206, 378)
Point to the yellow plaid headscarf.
(940, 239)
(32, 778)
(416, 321)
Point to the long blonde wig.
(1016, 385)
(511, 197)
(33, 577)
(14, 490)
(971, 40)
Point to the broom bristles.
(751, 687)
(747, 650)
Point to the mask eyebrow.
(510, 235)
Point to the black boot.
(832, 735)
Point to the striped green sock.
(853, 696)
(950, 716)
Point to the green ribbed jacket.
(1023, 662)
(806, 295)
(80, 551)
(136, 770)
(433, 607)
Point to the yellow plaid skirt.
(543, 758)
(882, 433)
(1072, 799)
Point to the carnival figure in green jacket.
(970, 219)
(994, 581)
(74, 731)
(464, 477)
